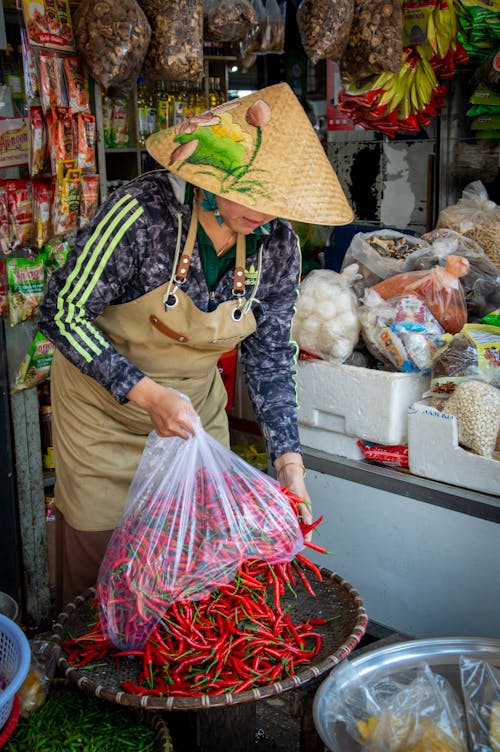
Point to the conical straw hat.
(260, 151)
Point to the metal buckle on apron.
(171, 300)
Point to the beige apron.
(98, 442)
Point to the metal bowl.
(441, 654)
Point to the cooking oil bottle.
(163, 105)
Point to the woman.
(175, 269)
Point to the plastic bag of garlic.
(326, 322)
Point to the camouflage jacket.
(127, 250)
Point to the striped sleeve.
(99, 267)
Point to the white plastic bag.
(326, 320)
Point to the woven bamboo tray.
(335, 599)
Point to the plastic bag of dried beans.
(195, 512)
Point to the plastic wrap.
(400, 333)
(326, 320)
(112, 39)
(409, 711)
(440, 288)
(195, 512)
(35, 688)
(481, 691)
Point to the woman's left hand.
(291, 473)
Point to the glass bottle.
(163, 105)
(142, 111)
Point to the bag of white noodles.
(326, 322)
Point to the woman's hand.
(291, 472)
(171, 413)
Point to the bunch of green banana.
(442, 27)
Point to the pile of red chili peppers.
(237, 638)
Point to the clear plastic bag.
(228, 20)
(326, 320)
(195, 512)
(112, 39)
(268, 35)
(324, 27)
(412, 711)
(481, 691)
(35, 688)
(440, 288)
(401, 333)
(481, 283)
(477, 217)
(381, 254)
(474, 353)
(175, 52)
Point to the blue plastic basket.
(15, 657)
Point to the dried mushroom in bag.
(176, 49)
(324, 27)
(228, 20)
(112, 39)
(376, 40)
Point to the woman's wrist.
(289, 464)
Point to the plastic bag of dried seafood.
(175, 52)
(267, 36)
(381, 254)
(228, 20)
(324, 27)
(375, 41)
(112, 39)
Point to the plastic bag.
(112, 39)
(195, 511)
(417, 711)
(481, 283)
(268, 35)
(326, 320)
(324, 27)
(175, 52)
(400, 333)
(475, 216)
(375, 40)
(481, 691)
(474, 353)
(440, 288)
(381, 254)
(228, 20)
(35, 688)
(476, 406)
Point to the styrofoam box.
(434, 452)
(339, 404)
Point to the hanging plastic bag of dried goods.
(175, 52)
(440, 288)
(195, 512)
(112, 39)
(267, 36)
(375, 41)
(324, 27)
(228, 20)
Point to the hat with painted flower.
(260, 151)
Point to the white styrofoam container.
(339, 404)
(434, 452)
